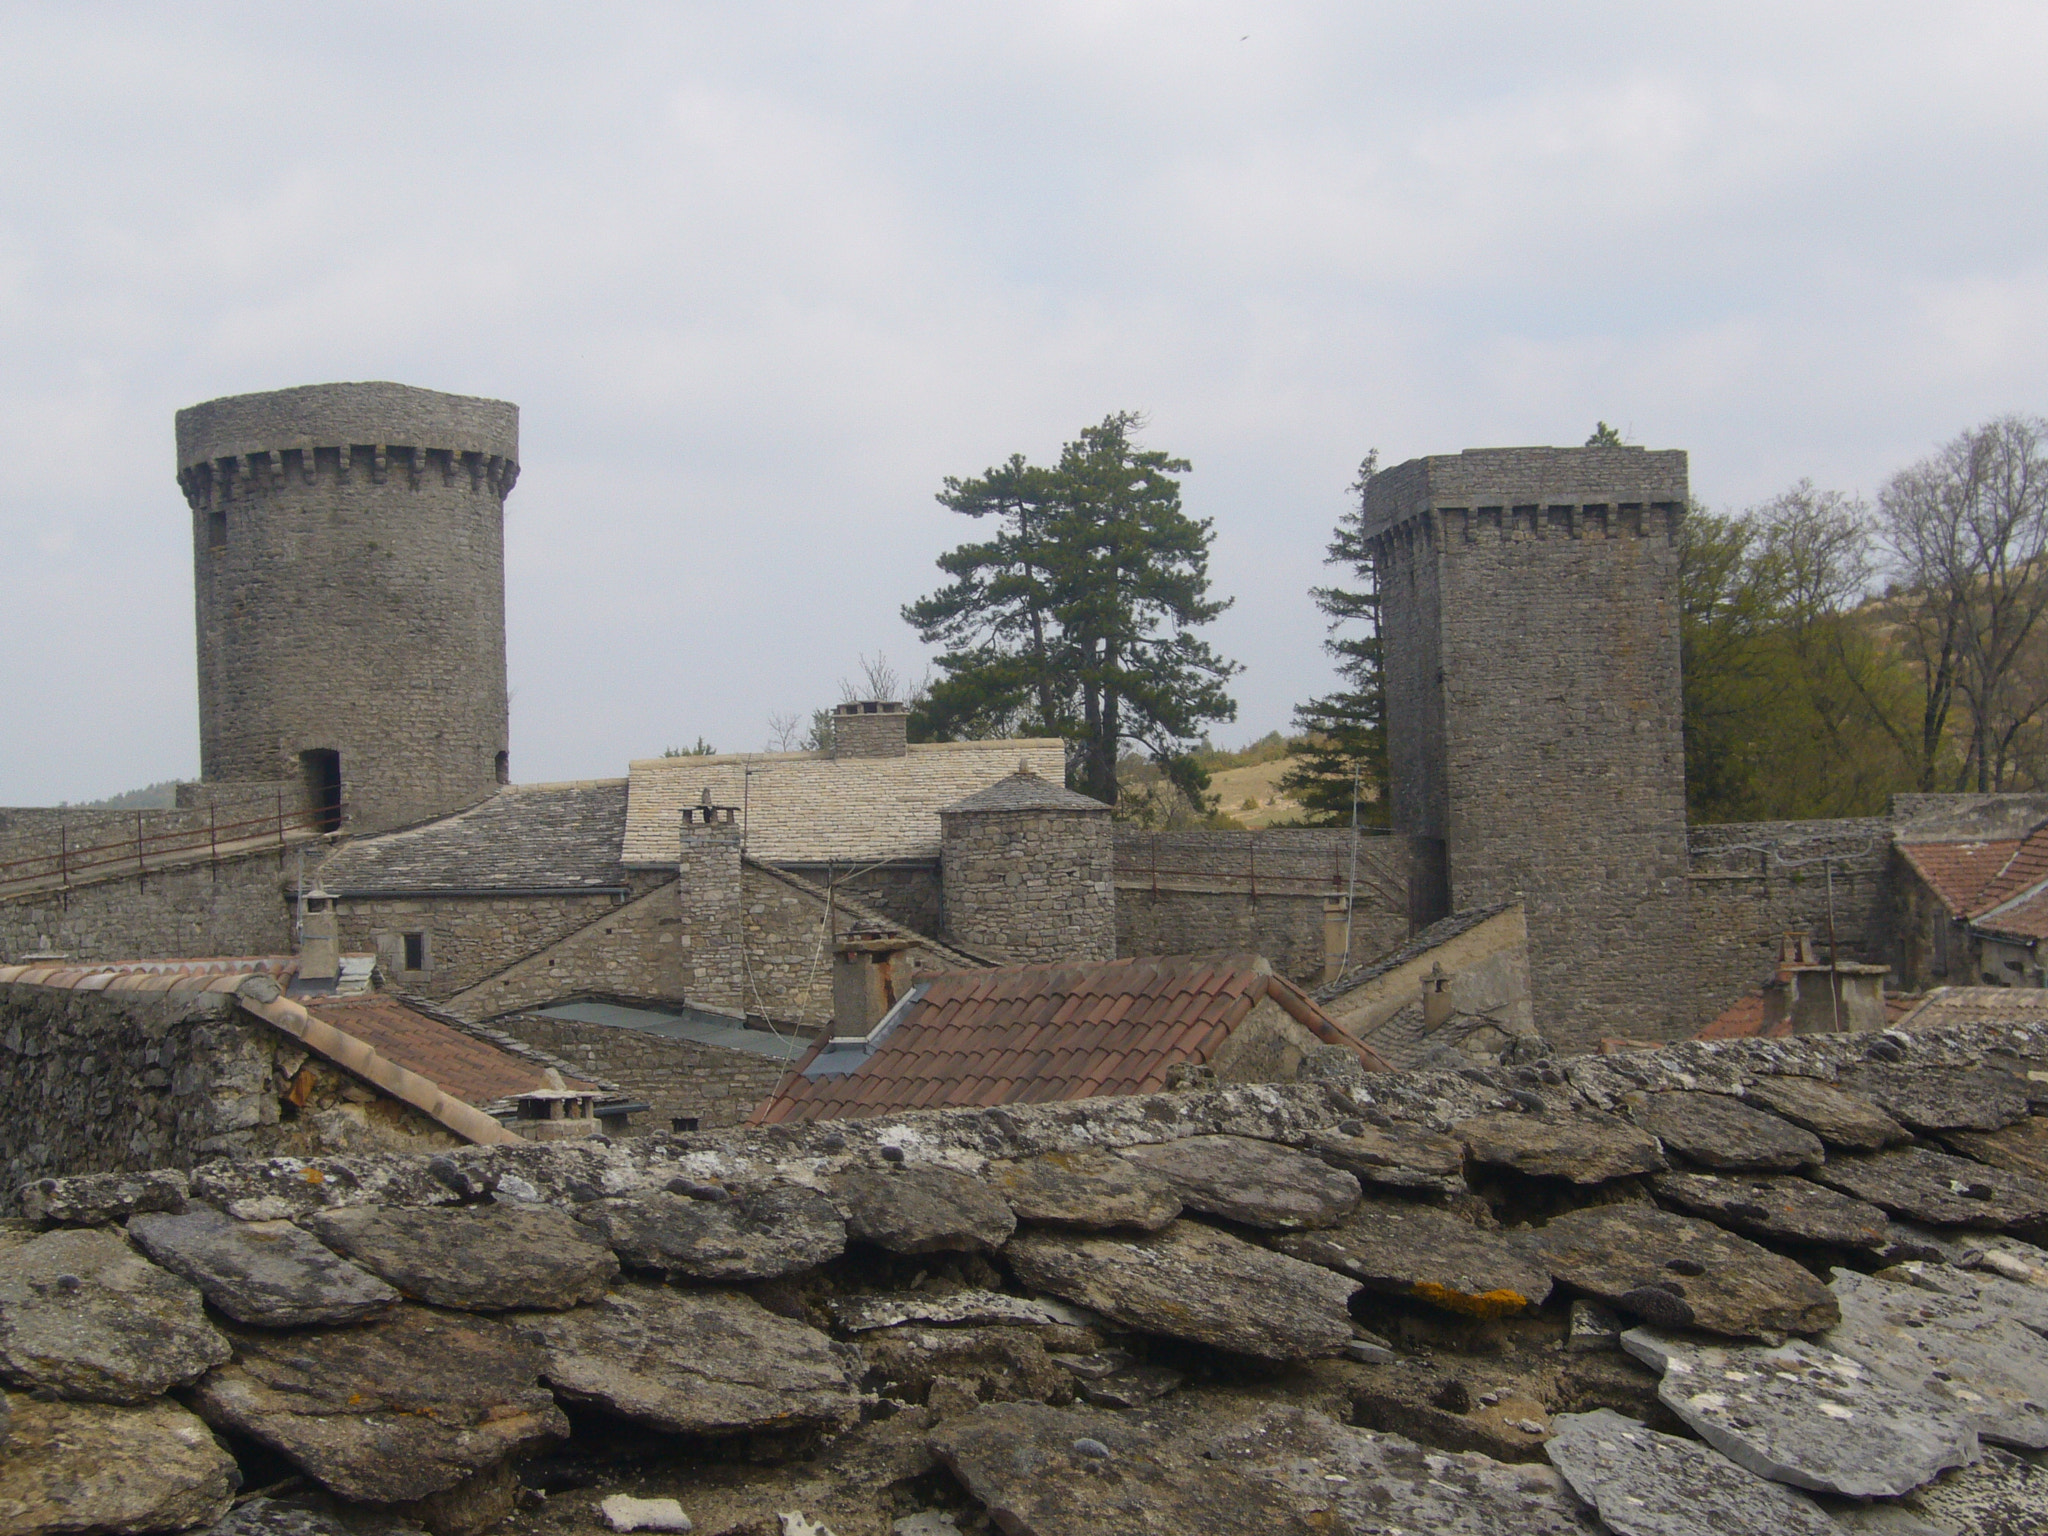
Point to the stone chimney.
(870, 728)
(556, 1112)
(870, 971)
(708, 902)
(319, 938)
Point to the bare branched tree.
(785, 733)
(1969, 529)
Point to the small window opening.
(504, 767)
(320, 770)
(415, 951)
(217, 530)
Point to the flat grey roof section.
(703, 1028)
(527, 838)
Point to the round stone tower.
(1027, 867)
(348, 549)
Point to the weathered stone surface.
(1716, 1130)
(485, 1258)
(85, 1316)
(1642, 1260)
(1187, 1468)
(2023, 1302)
(1940, 1190)
(962, 1309)
(2021, 1148)
(1394, 1156)
(1928, 1098)
(694, 1362)
(1583, 1148)
(94, 1199)
(1646, 1484)
(1087, 1188)
(1252, 1182)
(1806, 1416)
(98, 1467)
(391, 1410)
(1837, 1116)
(1779, 1207)
(268, 1273)
(1192, 1282)
(281, 1188)
(923, 1210)
(780, 1231)
(1956, 1353)
(305, 1513)
(1416, 1250)
(1592, 1328)
(2003, 1495)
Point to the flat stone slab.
(1676, 1272)
(1255, 1183)
(1192, 1282)
(1431, 1255)
(480, 1258)
(772, 1232)
(1394, 1156)
(391, 1410)
(99, 1467)
(695, 1362)
(1956, 1353)
(2020, 1148)
(1645, 1484)
(1780, 1207)
(302, 1514)
(268, 1273)
(1927, 1098)
(85, 1316)
(1940, 1190)
(1583, 1148)
(1084, 1188)
(1716, 1130)
(1179, 1467)
(1806, 1416)
(923, 1210)
(962, 1309)
(1836, 1115)
(2003, 1495)
(94, 1199)
(2024, 1303)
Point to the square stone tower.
(1529, 605)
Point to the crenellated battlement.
(1513, 494)
(213, 483)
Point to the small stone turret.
(349, 569)
(1028, 872)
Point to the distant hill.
(154, 797)
(1251, 797)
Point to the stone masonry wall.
(1752, 883)
(677, 1077)
(466, 938)
(94, 1082)
(235, 907)
(1180, 893)
(636, 951)
(1030, 885)
(348, 544)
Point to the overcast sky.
(760, 276)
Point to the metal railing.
(67, 865)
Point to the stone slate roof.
(1440, 932)
(1978, 1005)
(808, 808)
(526, 837)
(1027, 792)
(1035, 1034)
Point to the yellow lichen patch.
(315, 1176)
(1486, 1305)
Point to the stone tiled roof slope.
(526, 837)
(1028, 792)
(1441, 931)
(807, 808)
(459, 1063)
(1978, 1005)
(1036, 1034)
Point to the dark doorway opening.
(321, 770)
(504, 767)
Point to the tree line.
(1834, 650)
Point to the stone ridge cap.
(913, 749)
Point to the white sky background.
(760, 276)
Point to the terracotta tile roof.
(526, 837)
(2025, 919)
(459, 1064)
(1039, 1033)
(1959, 872)
(2027, 868)
(1743, 1019)
(807, 808)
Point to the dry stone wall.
(464, 938)
(238, 906)
(1030, 886)
(1479, 1300)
